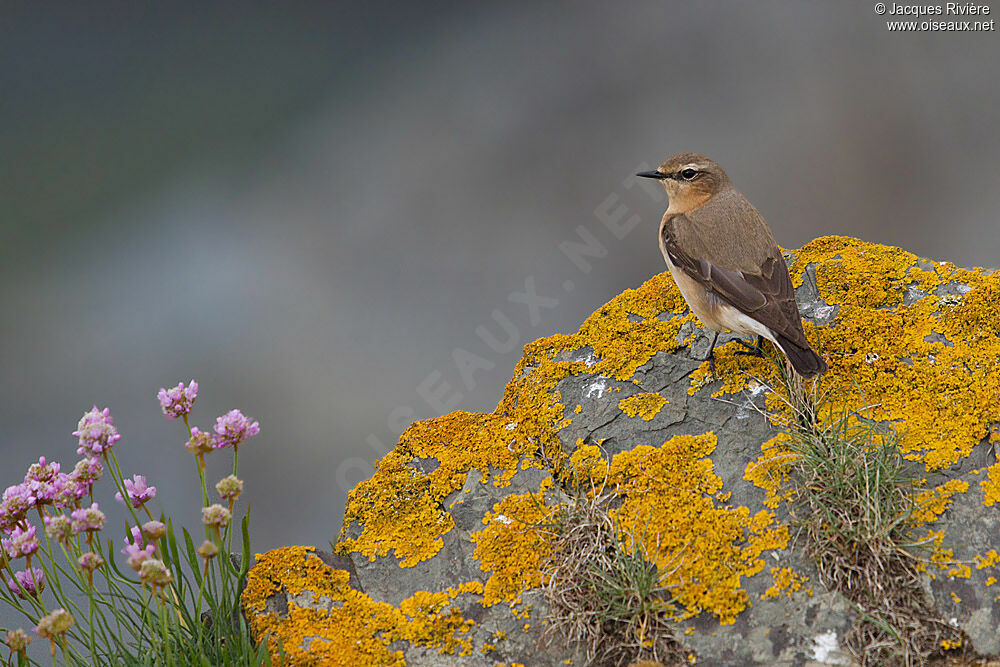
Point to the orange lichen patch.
(620, 345)
(786, 582)
(770, 470)
(401, 508)
(645, 405)
(991, 485)
(702, 546)
(586, 466)
(737, 371)
(989, 559)
(398, 511)
(513, 546)
(355, 630)
(930, 504)
(885, 352)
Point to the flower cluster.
(29, 583)
(22, 542)
(138, 492)
(97, 433)
(230, 487)
(177, 402)
(57, 494)
(17, 641)
(233, 428)
(87, 520)
(136, 550)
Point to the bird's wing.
(767, 296)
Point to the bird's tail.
(804, 360)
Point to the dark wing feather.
(767, 297)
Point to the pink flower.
(97, 432)
(138, 493)
(177, 402)
(154, 530)
(22, 542)
(87, 519)
(17, 500)
(138, 555)
(135, 551)
(90, 561)
(66, 491)
(86, 472)
(59, 527)
(32, 581)
(200, 442)
(40, 479)
(230, 487)
(216, 516)
(233, 428)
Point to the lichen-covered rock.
(440, 559)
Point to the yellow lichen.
(991, 486)
(645, 405)
(989, 559)
(586, 464)
(702, 546)
(786, 582)
(944, 392)
(770, 471)
(930, 504)
(355, 630)
(511, 547)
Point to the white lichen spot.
(755, 389)
(588, 360)
(826, 650)
(950, 300)
(824, 312)
(871, 358)
(962, 288)
(599, 386)
(503, 518)
(953, 622)
(511, 426)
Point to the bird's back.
(729, 232)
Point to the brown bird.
(726, 262)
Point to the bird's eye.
(689, 174)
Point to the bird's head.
(690, 180)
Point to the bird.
(726, 263)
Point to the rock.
(440, 559)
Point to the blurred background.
(311, 208)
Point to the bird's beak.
(652, 174)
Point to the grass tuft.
(854, 507)
(604, 596)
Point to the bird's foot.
(753, 350)
(710, 357)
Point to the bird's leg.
(753, 350)
(710, 358)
